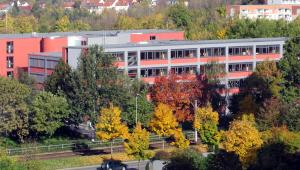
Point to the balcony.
(184, 60)
(154, 62)
(239, 74)
(270, 56)
(149, 80)
(120, 64)
(210, 59)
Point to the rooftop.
(47, 54)
(85, 33)
(186, 42)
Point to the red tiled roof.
(69, 4)
(28, 8)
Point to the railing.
(80, 145)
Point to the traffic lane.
(132, 165)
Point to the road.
(132, 165)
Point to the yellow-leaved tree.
(243, 139)
(206, 122)
(109, 125)
(137, 144)
(165, 124)
(180, 140)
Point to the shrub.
(223, 160)
(186, 159)
(162, 155)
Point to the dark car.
(113, 165)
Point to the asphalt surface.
(132, 165)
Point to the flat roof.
(47, 54)
(86, 33)
(186, 42)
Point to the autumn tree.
(109, 126)
(137, 144)
(243, 139)
(165, 124)
(63, 24)
(179, 139)
(264, 83)
(25, 24)
(269, 113)
(177, 94)
(206, 122)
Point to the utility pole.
(6, 21)
(136, 108)
(195, 110)
(136, 96)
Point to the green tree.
(291, 118)
(180, 15)
(48, 113)
(206, 122)
(269, 114)
(290, 68)
(144, 110)
(15, 9)
(13, 108)
(6, 163)
(65, 82)
(137, 144)
(275, 156)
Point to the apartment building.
(146, 61)
(18, 48)
(289, 2)
(272, 12)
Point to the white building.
(288, 2)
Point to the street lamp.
(136, 107)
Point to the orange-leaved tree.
(109, 125)
(177, 91)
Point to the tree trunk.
(163, 144)
(139, 164)
(111, 149)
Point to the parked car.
(113, 165)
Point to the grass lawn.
(79, 161)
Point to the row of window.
(192, 53)
(240, 67)
(10, 62)
(153, 72)
(9, 47)
(40, 63)
(235, 83)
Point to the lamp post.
(195, 109)
(136, 107)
